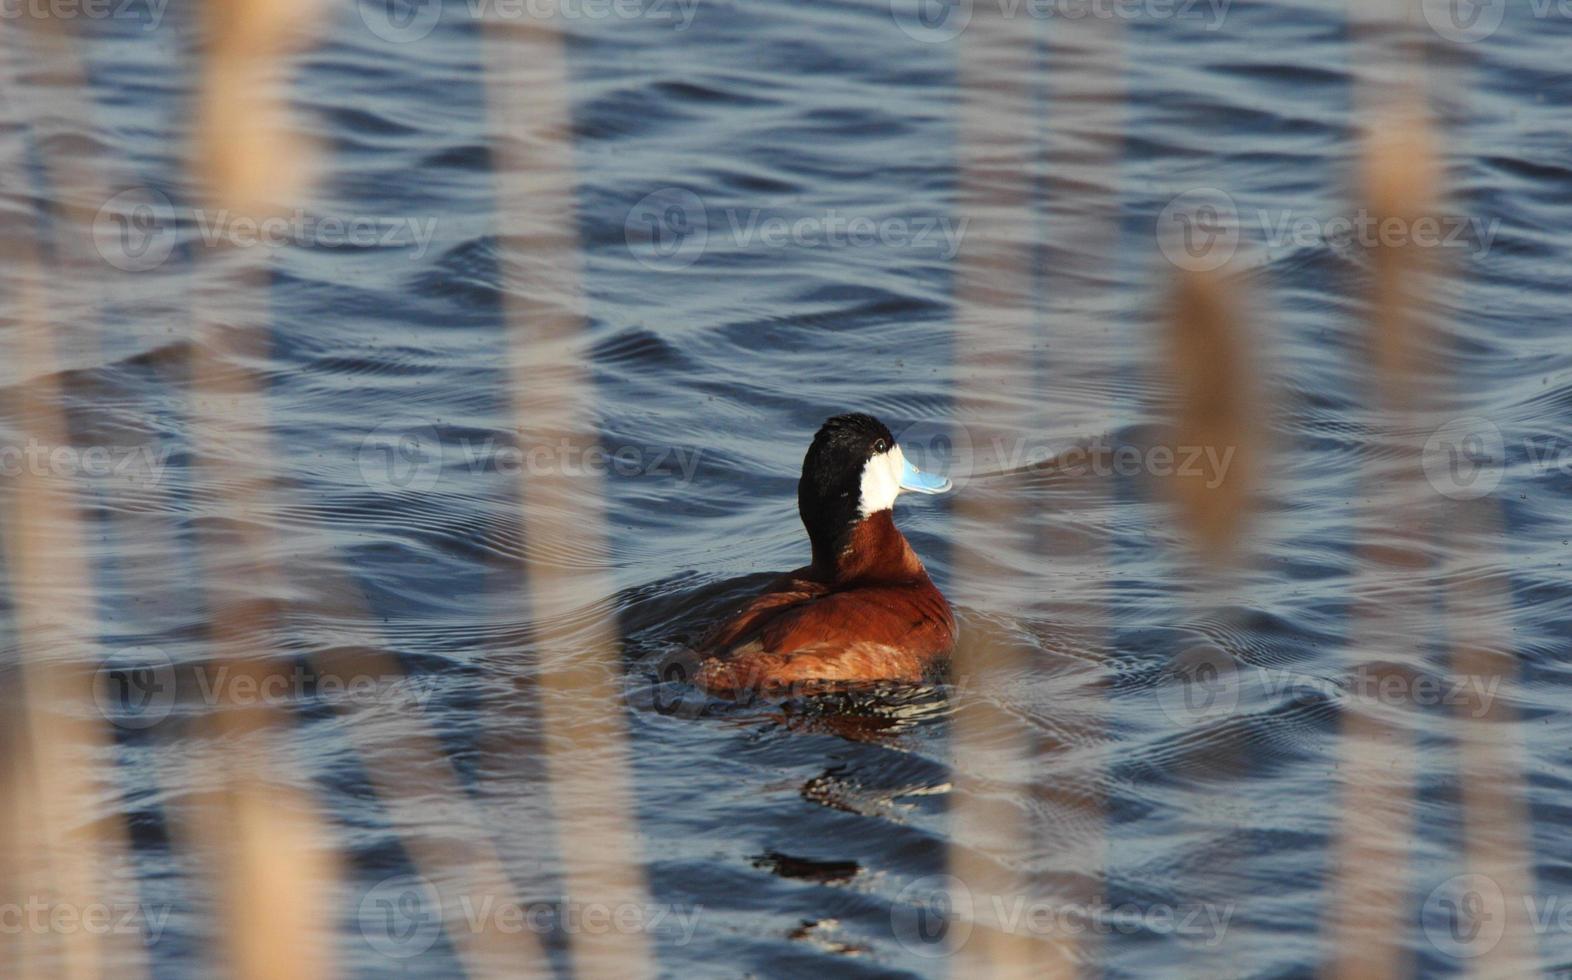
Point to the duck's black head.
(852, 469)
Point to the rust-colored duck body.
(864, 609)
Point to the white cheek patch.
(881, 481)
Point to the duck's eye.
(879, 446)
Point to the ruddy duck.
(864, 609)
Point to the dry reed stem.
(60, 848)
(1492, 759)
(1491, 754)
(269, 877)
(581, 707)
(60, 764)
(279, 891)
(1085, 101)
(276, 871)
(252, 162)
(1402, 183)
(251, 158)
(1215, 406)
(1369, 908)
(993, 288)
(996, 283)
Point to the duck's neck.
(871, 550)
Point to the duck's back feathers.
(805, 631)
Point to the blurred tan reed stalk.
(1215, 406)
(993, 313)
(998, 853)
(58, 849)
(275, 880)
(274, 868)
(59, 763)
(579, 665)
(249, 156)
(1208, 360)
(1492, 758)
(1084, 108)
(253, 162)
(1402, 182)
(270, 897)
(1370, 908)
